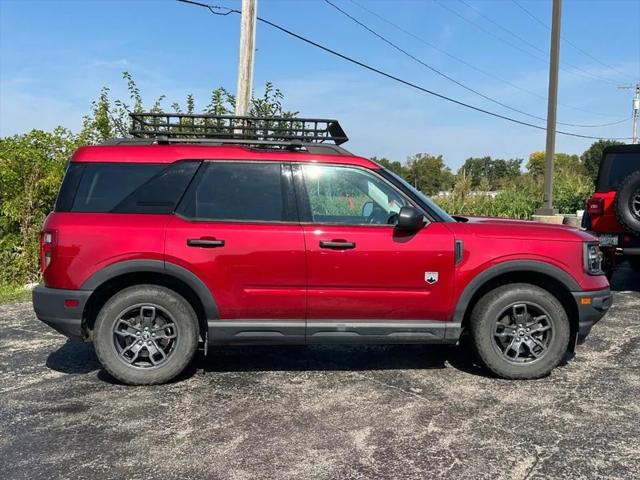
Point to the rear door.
(366, 280)
(237, 230)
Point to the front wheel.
(520, 331)
(146, 335)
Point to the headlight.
(592, 259)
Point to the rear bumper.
(591, 313)
(624, 243)
(49, 306)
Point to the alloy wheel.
(145, 336)
(523, 333)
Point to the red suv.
(230, 231)
(613, 212)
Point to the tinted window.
(162, 192)
(616, 167)
(67, 194)
(236, 191)
(350, 196)
(105, 185)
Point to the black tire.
(635, 264)
(628, 203)
(170, 350)
(510, 298)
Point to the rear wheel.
(146, 335)
(520, 331)
(635, 264)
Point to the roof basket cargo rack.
(269, 132)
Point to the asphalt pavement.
(340, 412)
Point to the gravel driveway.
(321, 412)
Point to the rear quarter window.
(124, 187)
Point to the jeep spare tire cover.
(628, 203)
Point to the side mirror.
(367, 209)
(410, 219)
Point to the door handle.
(205, 242)
(337, 244)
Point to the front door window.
(350, 196)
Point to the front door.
(237, 230)
(366, 279)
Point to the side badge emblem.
(431, 277)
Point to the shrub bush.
(520, 199)
(31, 167)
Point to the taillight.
(47, 243)
(595, 206)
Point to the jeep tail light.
(47, 243)
(595, 206)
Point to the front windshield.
(439, 211)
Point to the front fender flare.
(534, 266)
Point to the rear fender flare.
(158, 266)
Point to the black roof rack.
(266, 132)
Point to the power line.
(478, 69)
(504, 29)
(444, 75)
(519, 37)
(216, 10)
(568, 42)
(578, 70)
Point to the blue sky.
(56, 55)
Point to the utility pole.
(636, 110)
(245, 61)
(547, 208)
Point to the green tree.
(593, 155)
(31, 167)
(395, 166)
(475, 169)
(489, 173)
(562, 162)
(428, 173)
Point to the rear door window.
(240, 191)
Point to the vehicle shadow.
(331, 358)
(625, 279)
(74, 357)
(80, 358)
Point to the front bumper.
(50, 308)
(592, 306)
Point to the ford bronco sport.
(613, 212)
(235, 230)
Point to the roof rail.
(267, 132)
